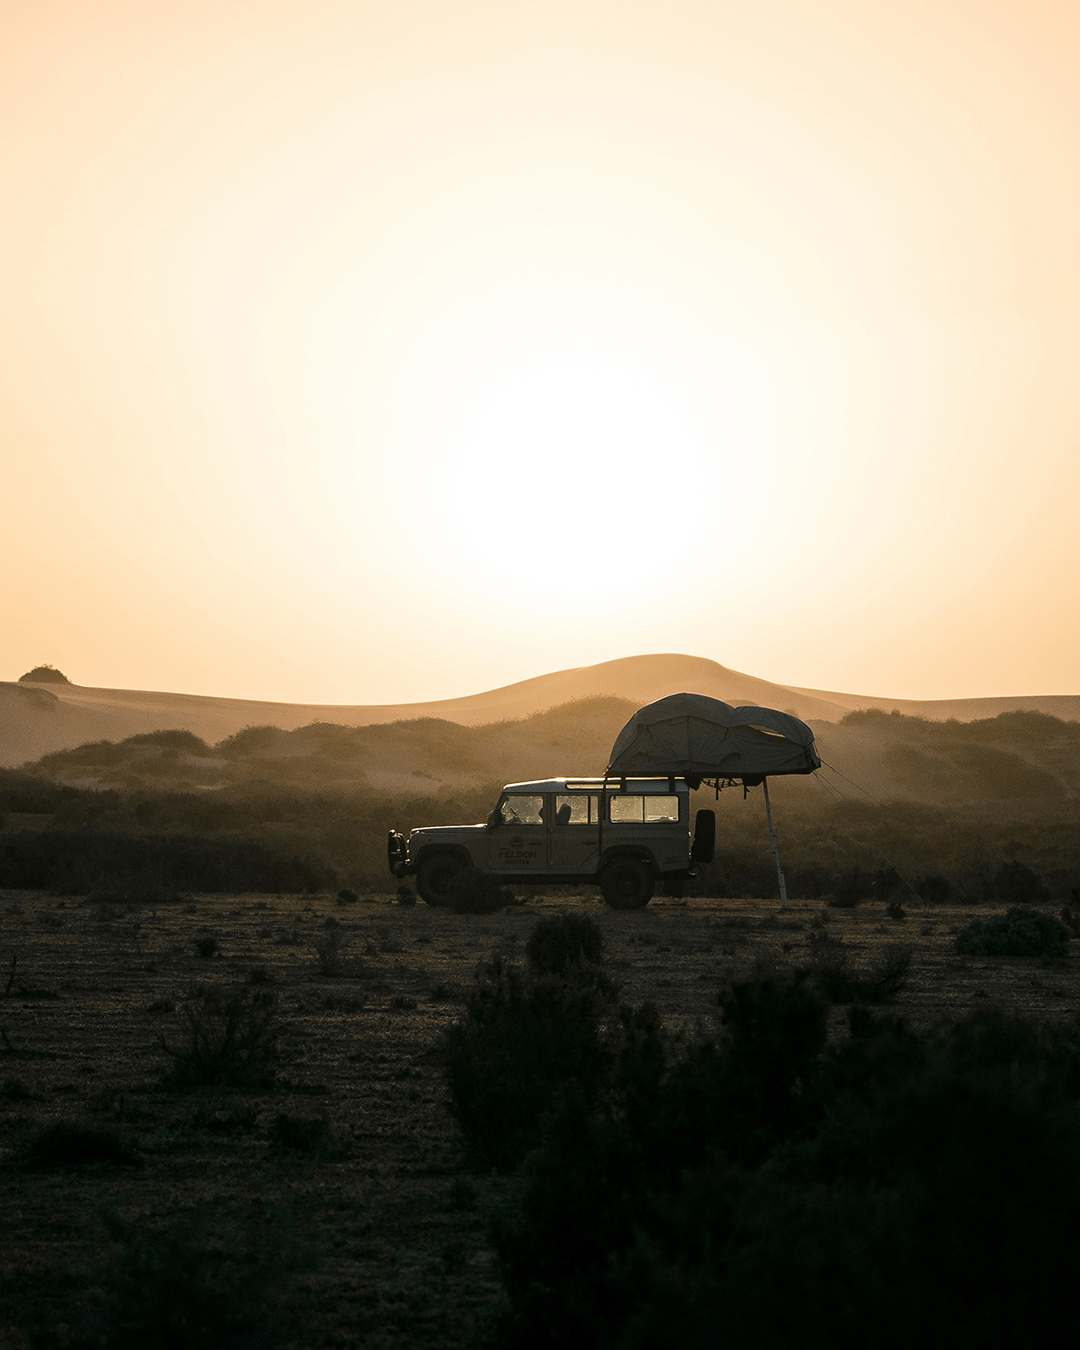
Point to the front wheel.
(627, 883)
(434, 875)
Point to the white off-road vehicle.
(625, 833)
(629, 829)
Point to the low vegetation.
(1020, 932)
(228, 1038)
(708, 1114)
(795, 1191)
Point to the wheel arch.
(431, 850)
(620, 851)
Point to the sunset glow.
(358, 353)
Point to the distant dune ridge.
(39, 718)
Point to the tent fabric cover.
(692, 735)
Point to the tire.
(434, 875)
(627, 883)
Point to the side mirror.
(494, 819)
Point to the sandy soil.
(404, 1256)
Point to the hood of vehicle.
(437, 834)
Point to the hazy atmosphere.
(381, 353)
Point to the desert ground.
(395, 1227)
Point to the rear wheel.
(434, 875)
(627, 883)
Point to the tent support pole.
(775, 847)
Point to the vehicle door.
(575, 833)
(518, 842)
(654, 820)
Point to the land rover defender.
(625, 834)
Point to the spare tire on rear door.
(627, 883)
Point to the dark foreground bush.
(72, 1144)
(841, 982)
(562, 941)
(1019, 932)
(229, 1039)
(764, 1189)
(475, 892)
(520, 1039)
(208, 1280)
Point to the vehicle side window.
(632, 809)
(579, 809)
(661, 808)
(522, 810)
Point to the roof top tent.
(701, 739)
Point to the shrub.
(888, 883)
(406, 895)
(71, 1144)
(347, 897)
(851, 887)
(230, 1040)
(44, 675)
(475, 892)
(520, 1039)
(206, 947)
(78, 862)
(206, 1280)
(1018, 932)
(841, 983)
(561, 942)
(935, 889)
(786, 1192)
(329, 948)
(1016, 884)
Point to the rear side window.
(632, 809)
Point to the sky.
(370, 353)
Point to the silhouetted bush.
(936, 889)
(1019, 932)
(850, 887)
(475, 892)
(840, 982)
(71, 1144)
(230, 1039)
(520, 1038)
(206, 947)
(330, 950)
(207, 1280)
(766, 1189)
(1016, 884)
(44, 675)
(887, 884)
(561, 941)
(83, 861)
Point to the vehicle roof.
(637, 785)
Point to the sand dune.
(36, 719)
